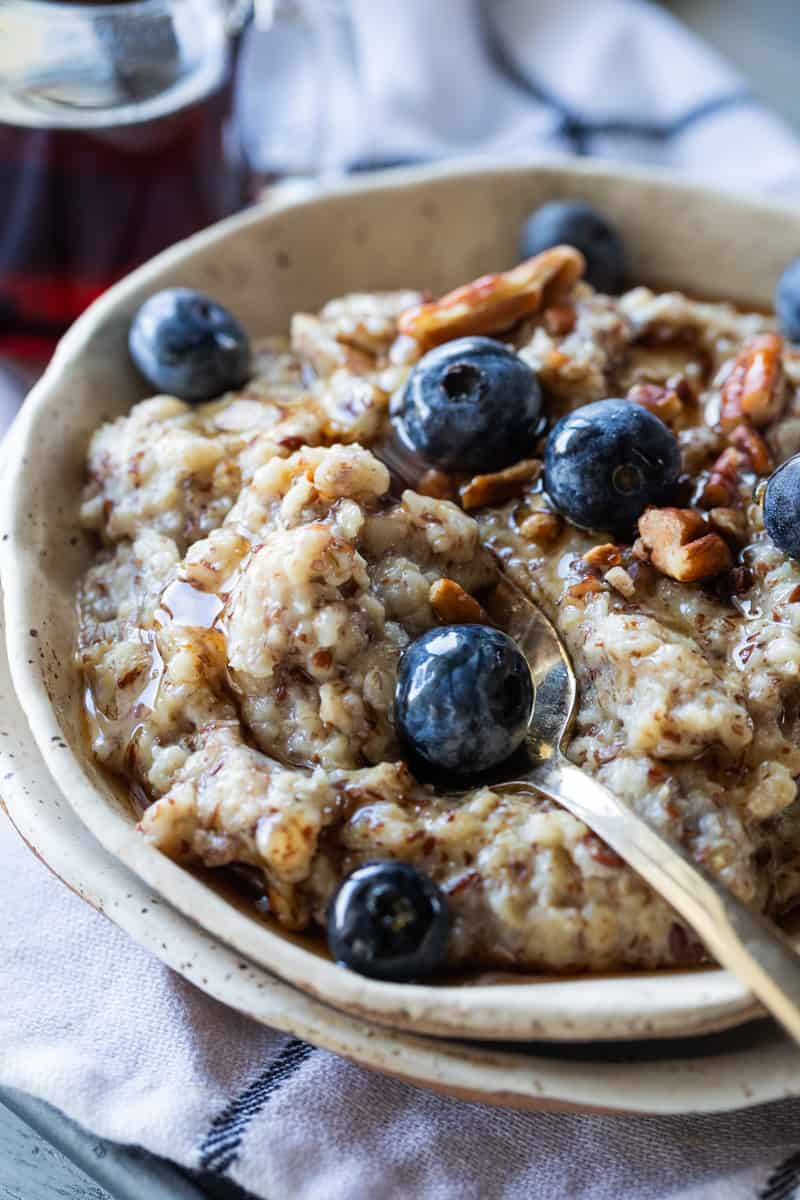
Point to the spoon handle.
(740, 939)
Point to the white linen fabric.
(133, 1052)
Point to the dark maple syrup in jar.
(117, 139)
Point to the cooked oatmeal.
(261, 572)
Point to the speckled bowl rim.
(625, 1006)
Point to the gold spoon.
(742, 940)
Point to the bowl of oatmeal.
(210, 601)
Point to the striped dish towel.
(137, 1054)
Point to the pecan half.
(754, 390)
(502, 485)
(681, 545)
(453, 606)
(495, 302)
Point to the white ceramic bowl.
(734, 1070)
(432, 229)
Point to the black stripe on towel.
(578, 128)
(784, 1182)
(220, 1147)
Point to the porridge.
(265, 559)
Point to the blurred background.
(125, 127)
(761, 38)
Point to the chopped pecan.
(754, 448)
(559, 319)
(621, 581)
(502, 485)
(584, 587)
(748, 451)
(663, 402)
(730, 522)
(681, 545)
(542, 527)
(722, 487)
(495, 302)
(741, 580)
(603, 557)
(437, 484)
(453, 606)
(754, 390)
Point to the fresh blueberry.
(390, 921)
(782, 507)
(605, 462)
(464, 697)
(186, 345)
(787, 301)
(579, 225)
(471, 405)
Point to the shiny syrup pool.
(93, 185)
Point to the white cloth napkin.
(360, 84)
(136, 1054)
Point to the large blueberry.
(186, 345)
(579, 225)
(471, 405)
(605, 462)
(390, 921)
(782, 507)
(787, 300)
(464, 697)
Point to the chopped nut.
(559, 319)
(454, 606)
(584, 587)
(495, 302)
(621, 581)
(605, 556)
(731, 522)
(542, 527)
(722, 487)
(437, 484)
(640, 551)
(754, 388)
(741, 580)
(754, 448)
(680, 545)
(663, 402)
(502, 485)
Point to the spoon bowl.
(739, 938)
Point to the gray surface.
(44, 1156)
(30, 1169)
(759, 37)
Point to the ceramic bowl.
(433, 229)
(727, 1071)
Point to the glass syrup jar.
(117, 138)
